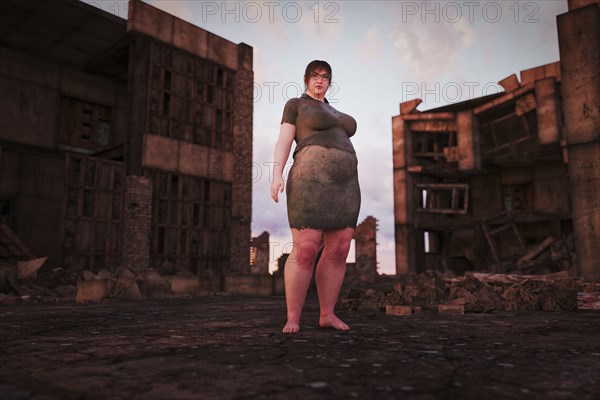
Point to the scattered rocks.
(474, 292)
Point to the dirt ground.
(230, 347)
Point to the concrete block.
(451, 309)
(127, 289)
(410, 106)
(29, 269)
(531, 75)
(91, 291)
(398, 310)
(510, 83)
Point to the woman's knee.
(304, 253)
(336, 251)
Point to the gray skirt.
(322, 189)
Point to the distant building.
(124, 142)
(477, 184)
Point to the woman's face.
(318, 83)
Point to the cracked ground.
(229, 347)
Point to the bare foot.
(291, 327)
(334, 322)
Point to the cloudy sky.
(382, 53)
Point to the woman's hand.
(277, 187)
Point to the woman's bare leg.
(330, 275)
(298, 272)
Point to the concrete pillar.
(403, 195)
(469, 153)
(365, 237)
(241, 197)
(547, 110)
(137, 219)
(137, 86)
(579, 44)
(405, 249)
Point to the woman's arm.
(287, 132)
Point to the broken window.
(443, 198)
(431, 242)
(517, 198)
(503, 237)
(351, 258)
(91, 238)
(253, 254)
(506, 128)
(190, 99)
(5, 211)
(84, 124)
(190, 222)
(435, 145)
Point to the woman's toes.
(291, 327)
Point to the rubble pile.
(548, 256)
(589, 297)
(474, 292)
(122, 285)
(55, 285)
(25, 280)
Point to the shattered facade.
(124, 141)
(260, 254)
(365, 248)
(494, 182)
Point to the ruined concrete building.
(365, 248)
(124, 142)
(260, 254)
(479, 183)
